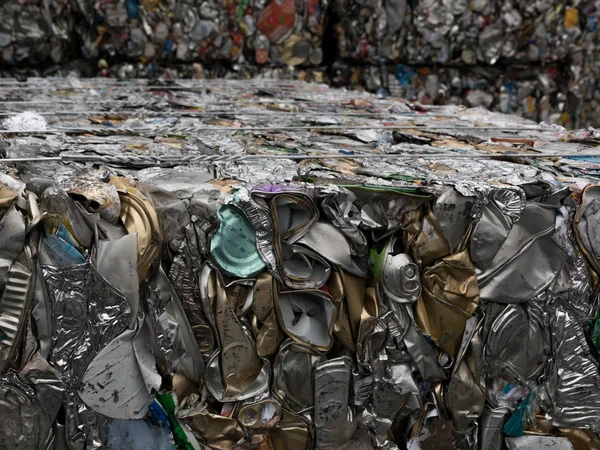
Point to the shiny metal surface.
(333, 420)
(401, 298)
(293, 375)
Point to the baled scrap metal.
(535, 92)
(462, 32)
(257, 32)
(536, 59)
(37, 32)
(343, 272)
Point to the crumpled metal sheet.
(12, 237)
(535, 442)
(450, 297)
(263, 226)
(465, 397)
(529, 239)
(292, 432)
(191, 228)
(290, 382)
(87, 313)
(41, 314)
(121, 379)
(333, 422)
(95, 196)
(59, 208)
(490, 426)
(584, 225)
(453, 212)
(388, 382)
(139, 216)
(217, 431)
(21, 415)
(338, 205)
(339, 252)
(252, 387)
(83, 428)
(269, 336)
(173, 334)
(424, 237)
(236, 366)
(571, 389)
(357, 307)
(116, 261)
(421, 352)
(518, 342)
(30, 403)
(503, 208)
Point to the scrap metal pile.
(536, 59)
(259, 32)
(532, 58)
(261, 265)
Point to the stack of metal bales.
(535, 59)
(531, 58)
(257, 33)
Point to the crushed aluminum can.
(491, 422)
(399, 276)
(450, 296)
(307, 316)
(264, 414)
(233, 246)
(514, 327)
(333, 418)
(291, 365)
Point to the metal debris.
(378, 292)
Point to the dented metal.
(14, 306)
(333, 419)
(272, 285)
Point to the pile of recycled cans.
(536, 59)
(532, 58)
(282, 265)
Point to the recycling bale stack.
(253, 34)
(281, 265)
(476, 53)
(36, 32)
